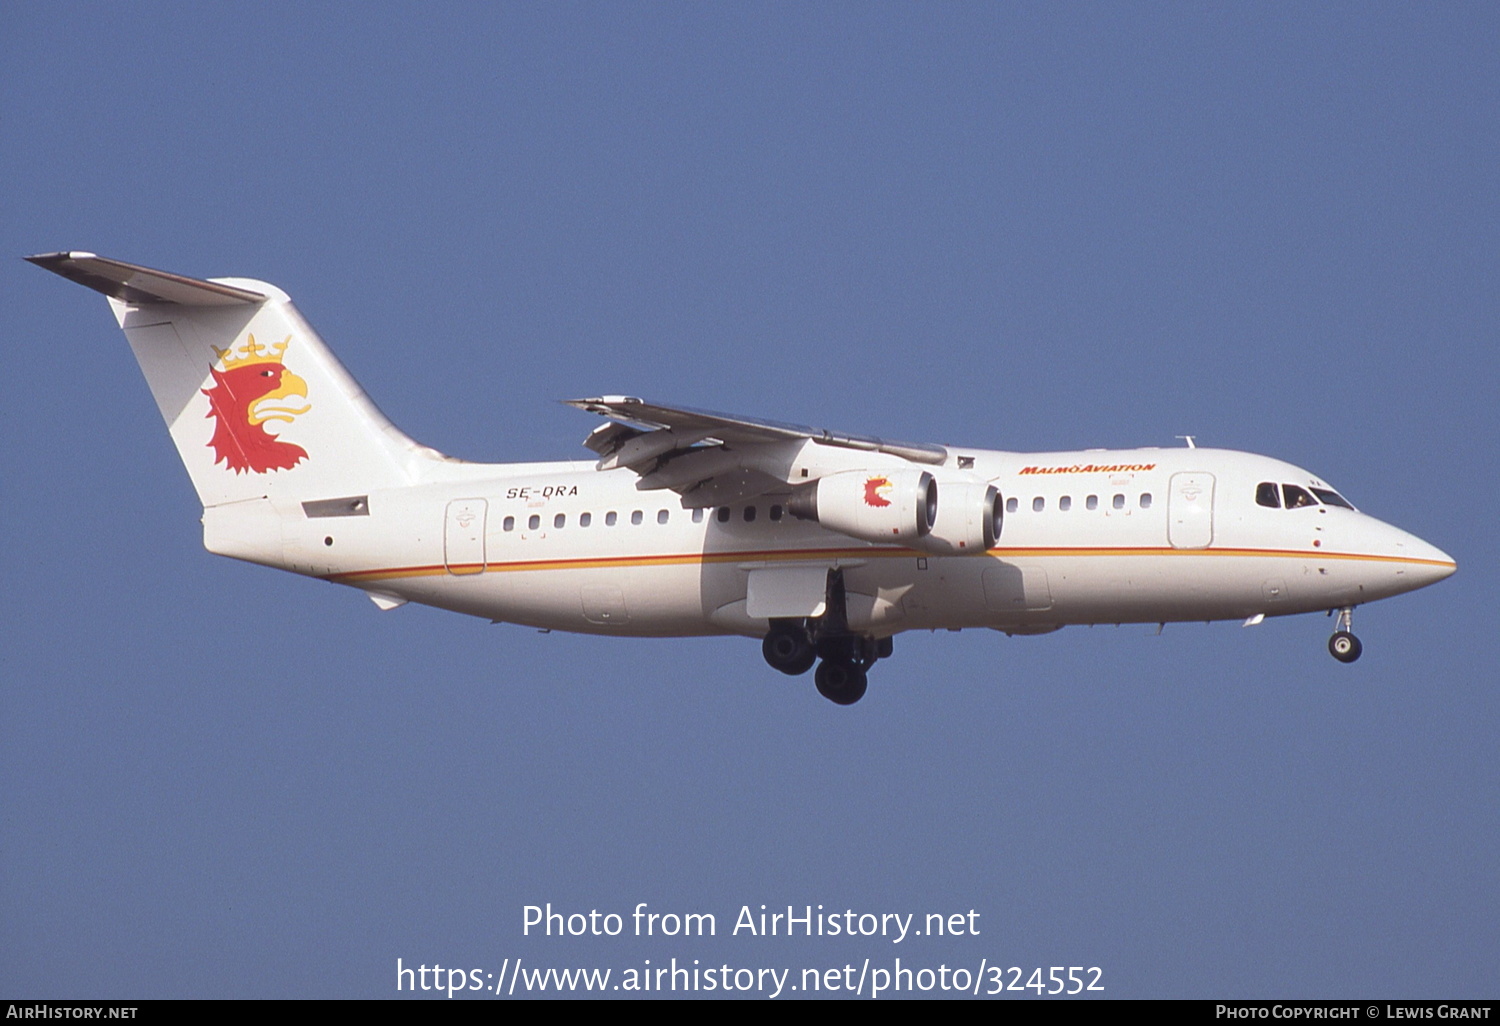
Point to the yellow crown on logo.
(252, 352)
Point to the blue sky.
(1038, 227)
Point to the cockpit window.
(1267, 494)
(1296, 498)
(1331, 498)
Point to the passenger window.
(1093, 502)
(610, 518)
(636, 517)
(560, 521)
(749, 514)
(1145, 500)
(510, 524)
(585, 519)
(662, 516)
(1065, 503)
(534, 522)
(1038, 504)
(1119, 502)
(723, 514)
(698, 515)
(1011, 505)
(1297, 498)
(1267, 494)
(775, 512)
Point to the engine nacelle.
(970, 515)
(876, 505)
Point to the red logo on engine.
(249, 391)
(875, 489)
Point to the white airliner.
(825, 545)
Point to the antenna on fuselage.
(1188, 439)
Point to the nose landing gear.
(1344, 646)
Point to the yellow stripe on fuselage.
(794, 555)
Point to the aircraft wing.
(714, 458)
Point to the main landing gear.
(1344, 646)
(840, 682)
(789, 648)
(846, 658)
(793, 645)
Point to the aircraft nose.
(1423, 563)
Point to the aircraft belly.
(946, 593)
(1011, 588)
(473, 594)
(656, 601)
(1187, 586)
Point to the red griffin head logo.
(875, 489)
(246, 394)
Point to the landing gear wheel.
(840, 682)
(790, 651)
(1344, 647)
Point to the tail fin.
(255, 402)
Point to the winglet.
(135, 284)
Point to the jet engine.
(876, 505)
(968, 520)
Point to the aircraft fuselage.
(1102, 536)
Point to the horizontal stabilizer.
(138, 285)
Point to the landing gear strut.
(1344, 646)
(793, 645)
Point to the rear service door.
(463, 536)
